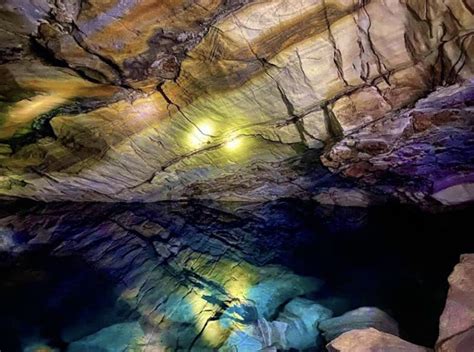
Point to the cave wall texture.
(342, 101)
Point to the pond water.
(202, 276)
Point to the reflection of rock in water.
(189, 281)
(53, 300)
(198, 275)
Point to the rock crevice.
(197, 95)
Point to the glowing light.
(236, 285)
(233, 144)
(201, 134)
(205, 129)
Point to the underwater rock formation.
(119, 337)
(190, 275)
(235, 100)
(181, 275)
(296, 327)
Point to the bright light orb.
(200, 135)
(233, 144)
(205, 129)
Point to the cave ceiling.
(342, 101)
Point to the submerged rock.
(261, 336)
(457, 321)
(271, 293)
(118, 337)
(233, 274)
(359, 319)
(296, 327)
(371, 340)
(302, 317)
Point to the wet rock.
(371, 340)
(199, 281)
(262, 336)
(457, 321)
(359, 319)
(205, 272)
(296, 327)
(271, 293)
(118, 337)
(302, 317)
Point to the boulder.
(303, 317)
(456, 326)
(295, 328)
(272, 292)
(361, 318)
(371, 340)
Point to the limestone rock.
(302, 317)
(345, 197)
(457, 321)
(419, 155)
(359, 319)
(371, 340)
(146, 101)
(119, 337)
(193, 272)
(262, 336)
(462, 192)
(296, 327)
(271, 293)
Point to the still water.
(208, 276)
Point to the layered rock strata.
(457, 322)
(371, 340)
(190, 283)
(212, 99)
(207, 276)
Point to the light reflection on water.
(203, 276)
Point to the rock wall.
(145, 101)
(456, 323)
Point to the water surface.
(191, 275)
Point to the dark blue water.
(69, 271)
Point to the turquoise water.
(194, 276)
